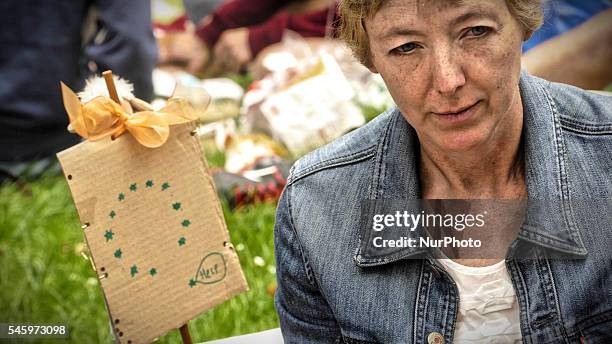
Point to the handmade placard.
(155, 231)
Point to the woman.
(468, 125)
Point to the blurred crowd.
(304, 89)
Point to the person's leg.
(198, 9)
(28, 170)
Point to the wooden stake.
(185, 334)
(112, 92)
(110, 84)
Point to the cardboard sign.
(155, 230)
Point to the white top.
(488, 310)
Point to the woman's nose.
(448, 73)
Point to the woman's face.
(451, 68)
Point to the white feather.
(96, 86)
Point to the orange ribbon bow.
(102, 117)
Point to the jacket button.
(435, 338)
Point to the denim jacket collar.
(396, 176)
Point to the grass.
(45, 279)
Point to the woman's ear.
(527, 36)
(373, 69)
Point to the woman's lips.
(459, 115)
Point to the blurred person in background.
(45, 42)
(574, 46)
(228, 39)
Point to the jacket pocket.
(349, 340)
(596, 329)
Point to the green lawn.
(45, 279)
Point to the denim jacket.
(332, 289)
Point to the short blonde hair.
(352, 31)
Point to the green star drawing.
(192, 283)
(182, 241)
(118, 253)
(112, 214)
(185, 223)
(153, 271)
(149, 183)
(121, 196)
(108, 235)
(165, 186)
(176, 205)
(133, 187)
(133, 270)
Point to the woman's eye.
(405, 48)
(478, 31)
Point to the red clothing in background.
(265, 25)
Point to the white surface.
(272, 336)
(223, 88)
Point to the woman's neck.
(494, 169)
